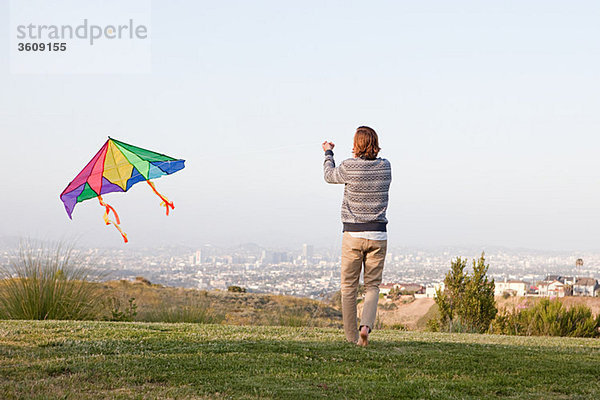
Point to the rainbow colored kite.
(116, 168)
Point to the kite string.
(109, 208)
(165, 201)
(240, 152)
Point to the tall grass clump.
(45, 281)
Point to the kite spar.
(116, 168)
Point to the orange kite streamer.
(165, 202)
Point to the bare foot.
(364, 337)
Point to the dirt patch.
(406, 313)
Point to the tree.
(478, 306)
(448, 299)
(467, 302)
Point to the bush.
(433, 325)
(397, 327)
(388, 306)
(128, 313)
(142, 280)
(47, 282)
(429, 321)
(548, 318)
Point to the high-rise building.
(307, 253)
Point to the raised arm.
(332, 174)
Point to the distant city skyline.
(487, 111)
(311, 272)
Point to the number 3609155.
(42, 46)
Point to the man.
(367, 181)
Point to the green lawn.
(75, 360)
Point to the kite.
(116, 168)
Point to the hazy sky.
(488, 112)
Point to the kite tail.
(165, 202)
(108, 221)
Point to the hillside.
(97, 360)
(157, 303)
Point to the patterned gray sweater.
(366, 191)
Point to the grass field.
(94, 360)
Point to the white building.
(512, 287)
(585, 287)
(552, 289)
(430, 291)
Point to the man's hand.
(328, 145)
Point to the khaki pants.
(355, 253)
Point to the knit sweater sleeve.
(332, 173)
